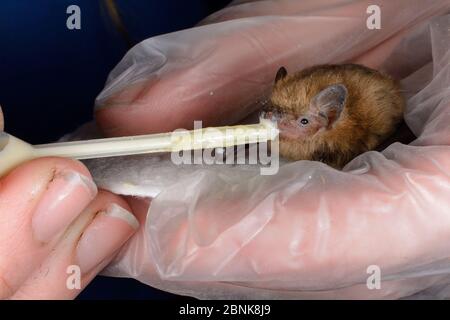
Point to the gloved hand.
(310, 231)
(57, 231)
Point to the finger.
(135, 259)
(87, 247)
(225, 85)
(38, 201)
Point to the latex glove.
(57, 231)
(221, 72)
(310, 231)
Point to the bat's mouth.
(286, 122)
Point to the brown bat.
(332, 113)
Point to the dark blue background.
(50, 75)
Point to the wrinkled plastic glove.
(310, 231)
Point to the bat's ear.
(281, 74)
(330, 102)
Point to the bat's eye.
(304, 121)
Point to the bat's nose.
(272, 115)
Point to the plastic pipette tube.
(14, 151)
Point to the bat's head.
(302, 108)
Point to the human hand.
(310, 231)
(55, 226)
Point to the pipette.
(14, 151)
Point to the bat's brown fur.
(372, 110)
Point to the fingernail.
(104, 236)
(65, 198)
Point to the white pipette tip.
(14, 151)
